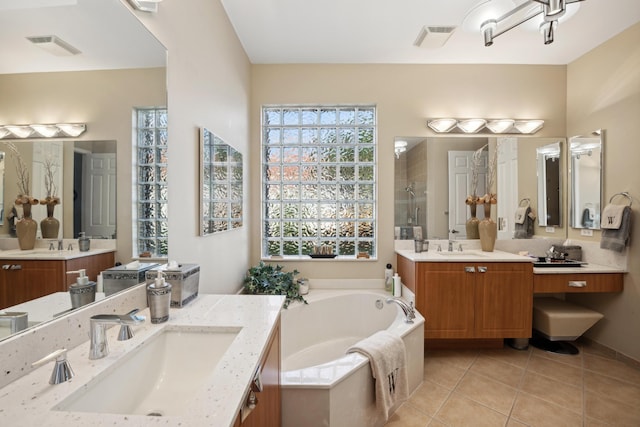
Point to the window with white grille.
(318, 180)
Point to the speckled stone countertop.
(44, 254)
(28, 401)
(471, 255)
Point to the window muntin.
(151, 222)
(319, 179)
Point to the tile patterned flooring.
(507, 387)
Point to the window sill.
(299, 258)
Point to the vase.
(50, 225)
(488, 230)
(472, 224)
(26, 229)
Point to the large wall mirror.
(119, 73)
(549, 168)
(426, 203)
(585, 171)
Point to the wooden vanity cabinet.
(471, 300)
(267, 412)
(577, 283)
(22, 280)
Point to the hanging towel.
(615, 239)
(388, 360)
(524, 223)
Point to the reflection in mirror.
(220, 185)
(2, 157)
(549, 170)
(585, 171)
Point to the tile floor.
(507, 387)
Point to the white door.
(99, 195)
(507, 186)
(460, 187)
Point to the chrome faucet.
(61, 371)
(18, 320)
(407, 308)
(450, 247)
(99, 345)
(60, 245)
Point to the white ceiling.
(383, 31)
(108, 35)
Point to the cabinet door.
(504, 300)
(446, 299)
(27, 280)
(267, 411)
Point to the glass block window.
(151, 225)
(318, 180)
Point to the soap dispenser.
(159, 299)
(83, 291)
(83, 242)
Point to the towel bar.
(623, 194)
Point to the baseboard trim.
(609, 352)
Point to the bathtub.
(321, 384)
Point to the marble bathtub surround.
(30, 399)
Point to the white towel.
(612, 216)
(388, 360)
(617, 239)
(521, 214)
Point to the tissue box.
(184, 280)
(118, 278)
(573, 252)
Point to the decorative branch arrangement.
(23, 176)
(476, 159)
(488, 197)
(50, 169)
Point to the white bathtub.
(321, 384)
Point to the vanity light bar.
(58, 130)
(499, 126)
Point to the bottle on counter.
(83, 242)
(388, 278)
(159, 299)
(83, 291)
(397, 286)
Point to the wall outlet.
(586, 232)
(550, 229)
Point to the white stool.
(556, 321)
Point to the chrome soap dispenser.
(159, 299)
(83, 291)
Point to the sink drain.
(154, 414)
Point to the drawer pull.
(577, 284)
(469, 269)
(11, 267)
(482, 269)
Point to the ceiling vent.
(434, 36)
(54, 45)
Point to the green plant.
(271, 280)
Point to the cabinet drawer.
(577, 283)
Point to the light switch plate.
(586, 232)
(550, 229)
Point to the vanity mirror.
(124, 71)
(585, 174)
(422, 190)
(549, 171)
(220, 185)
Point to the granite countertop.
(29, 399)
(468, 255)
(47, 307)
(587, 268)
(44, 254)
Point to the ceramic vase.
(26, 229)
(472, 224)
(50, 225)
(488, 230)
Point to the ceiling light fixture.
(54, 45)
(145, 5)
(478, 125)
(550, 10)
(58, 130)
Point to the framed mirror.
(549, 174)
(585, 175)
(220, 185)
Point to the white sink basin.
(159, 378)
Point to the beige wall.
(405, 96)
(208, 85)
(603, 91)
(104, 100)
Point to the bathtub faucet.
(409, 311)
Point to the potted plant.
(268, 279)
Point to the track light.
(550, 11)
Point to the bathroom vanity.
(470, 295)
(26, 275)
